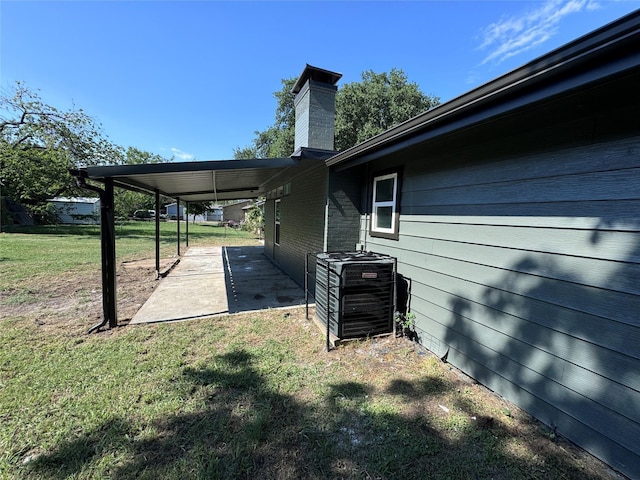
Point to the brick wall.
(302, 215)
(344, 210)
(315, 116)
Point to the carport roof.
(194, 181)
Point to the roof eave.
(485, 100)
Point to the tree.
(126, 201)
(39, 144)
(198, 208)
(375, 104)
(363, 109)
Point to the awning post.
(157, 192)
(178, 227)
(108, 239)
(107, 250)
(186, 225)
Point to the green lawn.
(246, 396)
(29, 255)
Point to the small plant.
(406, 324)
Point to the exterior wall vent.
(355, 293)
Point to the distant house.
(234, 212)
(77, 210)
(215, 214)
(172, 211)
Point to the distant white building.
(83, 210)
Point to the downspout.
(108, 251)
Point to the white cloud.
(511, 36)
(181, 155)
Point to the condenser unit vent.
(355, 293)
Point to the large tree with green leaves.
(375, 104)
(363, 109)
(126, 201)
(38, 145)
(197, 208)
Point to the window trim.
(393, 232)
(277, 212)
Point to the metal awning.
(185, 181)
(194, 181)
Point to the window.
(277, 222)
(384, 208)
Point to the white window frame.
(393, 203)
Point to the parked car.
(144, 214)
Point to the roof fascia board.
(113, 171)
(133, 186)
(601, 44)
(492, 111)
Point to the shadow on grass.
(245, 427)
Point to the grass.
(245, 396)
(29, 255)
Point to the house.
(233, 212)
(172, 211)
(215, 214)
(78, 210)
(514, 213)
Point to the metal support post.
(108, 239)
(178, 227)
(329, 306)
(306, 285)
(157, 234)
(186, 225)
(107, 250)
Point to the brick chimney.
(315, 104)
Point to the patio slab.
(212, 281)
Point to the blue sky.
(194, 80)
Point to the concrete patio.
(219, 280)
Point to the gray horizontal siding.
(591, 270)
(595, 186)
(610, 245)
(544, 375)
(567, 361)
(603, 157)
(526, 271)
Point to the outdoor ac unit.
(355, 293)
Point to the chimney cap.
(317, 74)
